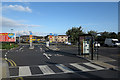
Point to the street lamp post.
(11, 30)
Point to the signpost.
(31, 46)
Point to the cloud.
(6, 22)
(23, 32)
(17, 8)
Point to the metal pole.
(19, 39)
(92, 49)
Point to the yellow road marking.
(10, 62)
(13, 63)
(19, 78)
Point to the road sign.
(30, 32)
(55, 34)
(50, 33)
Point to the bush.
(6, 45)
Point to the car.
(111, 42)
(68, 43)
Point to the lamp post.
(11, 30)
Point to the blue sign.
(55, 34)
(50, 33)
(30, 32)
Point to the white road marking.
(46, 55)
(24, 71)
(64, 68)
(6, 58)
(49, 55)
(5, 55)
(6, 52)
(41, 49)
(105, 65)
(46, 70)
(94, 66)
(80, 67)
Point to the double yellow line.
(12, 63)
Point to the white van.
(111, 42)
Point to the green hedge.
(8, 46)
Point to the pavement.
(59, 61)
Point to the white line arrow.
(46, 55)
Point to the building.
(59, 38)
(26, 38)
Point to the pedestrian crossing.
(22, 71)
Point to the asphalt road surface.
(42, 62)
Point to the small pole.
(92, 49)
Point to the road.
(41, 62)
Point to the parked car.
(68, 43)
(112, 42)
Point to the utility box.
(85, 44)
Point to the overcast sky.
(43, 18)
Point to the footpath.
(4, 71)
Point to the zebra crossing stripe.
(46, 70)
(24, 71)
(94, 66)
(80, 67)
(64, 68)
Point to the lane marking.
(46, 55)
(5, 55)
(14, 63)
(24, 71)
(94, 66)
(46, 70)
(80, 67)
(10, 62)
(64, 68)
(105, 64)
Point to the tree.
(118, 36)
(74, 33)
(94, 33)
(102, 38)
(112, 35)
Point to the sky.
(43, 18)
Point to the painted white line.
(49, 55)
(5, 55)
(24, 71)
(6, 58)
(80, 67)
(6, 52)
(46, 55)
(46, 70)
(41, 49)
(94, 66)
(64, 68)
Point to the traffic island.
(31, 47)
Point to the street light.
(11, 30)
